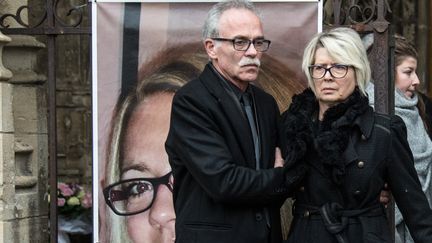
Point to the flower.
(86, 201)
(65, 189)
(61, 202)
(73, 200)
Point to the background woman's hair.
(403, 49)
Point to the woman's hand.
(279, 161)
(385, 196)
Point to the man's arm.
(200, 145)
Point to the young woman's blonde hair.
(344, 46)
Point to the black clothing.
(219, 196)
(351, 153)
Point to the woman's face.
(329, 90)
(145, 157)
(406, 77)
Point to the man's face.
(239, 67)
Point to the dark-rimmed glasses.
(336, 70)
(242, 44)
(134, 196)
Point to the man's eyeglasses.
(336, 70)
(134, 196)
(241, 44)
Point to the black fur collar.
(329, 139)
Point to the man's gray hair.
(211, 24)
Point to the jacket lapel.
(232, 112)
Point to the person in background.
(223, 136)
(350, 150)
(410, 106)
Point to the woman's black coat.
(351, 154)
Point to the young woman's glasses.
(241, 44)
(134, 196)
(336, 70)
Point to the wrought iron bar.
(52, 124)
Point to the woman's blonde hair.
(344, 46)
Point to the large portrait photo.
(145, 51)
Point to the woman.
(141, 159)
(138, 181)
(350, 150)
(410, 106)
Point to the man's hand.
(385, 196)
(279, 161)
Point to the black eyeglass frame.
(329, 70)
(233, 41)
(155, 182)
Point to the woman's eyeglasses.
(336, 71)
(134, 196)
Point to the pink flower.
(61, 202)
(65, 190)
(86, 201)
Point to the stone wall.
(23, 120)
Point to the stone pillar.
(31, 139)
(7, 154)
(23, 144)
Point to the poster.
(132, 40)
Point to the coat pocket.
(199, 232)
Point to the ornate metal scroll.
(66, 18)
(361, 15)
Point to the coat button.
(258, 216)
(306, 214)
(302, 189)
(360, 164)
(357, 192)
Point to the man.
(221, 149)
